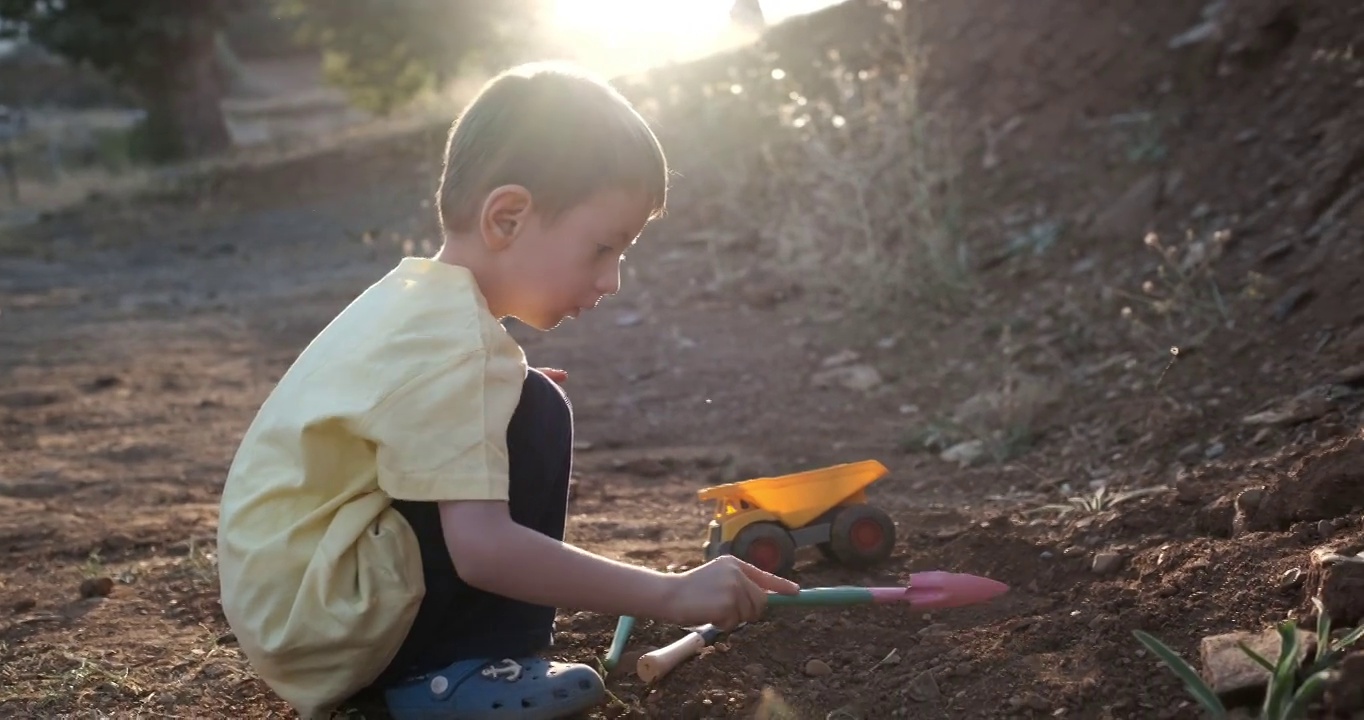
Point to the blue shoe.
(524, 689)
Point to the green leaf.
(1350, 639)
(1192, 682)
(1281, 684)
(1257, 657)
(1310, 689)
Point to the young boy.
(393, 521)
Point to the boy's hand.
(725, 592)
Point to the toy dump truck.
(762, 521)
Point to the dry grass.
(867, 202)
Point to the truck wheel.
(862, 535)
(767, 546)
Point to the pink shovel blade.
(938, 589)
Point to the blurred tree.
(384, 53)
(161, 49)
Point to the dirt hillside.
(1086, 276)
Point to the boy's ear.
(505, 213)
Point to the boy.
(394, 517)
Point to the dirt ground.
(137, 337)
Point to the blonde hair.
(556, 130)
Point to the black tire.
(768, 546)
(861, 535)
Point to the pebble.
(923, 688)
(1107, 562)
(96, 587)
(934, 630)
(1250, 498)
(818, 668)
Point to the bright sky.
(624, 35)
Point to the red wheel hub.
(866, 534)
(764, 554)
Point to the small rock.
(934, 630)
(1107, 562)
(1235, 676)
(859, 378)
(1189, 452)
(1308, 405)
(1352, 375)
(757, 671)
(841, 358)
(96, 587)
(1276, 251)
(1292, 301)
(818, 668)
(1291, 579)
(23, 605)
(1215, 451)
(923, 688)
(1339, 581)
(1250, 498)
(965, 454)
(1325, 528)
(1186, 491)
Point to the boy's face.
(561, 268)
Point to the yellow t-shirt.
(406, 394)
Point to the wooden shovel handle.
(654, 665)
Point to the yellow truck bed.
(798, 498)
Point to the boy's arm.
(493, 553)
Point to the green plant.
(1100, 500)
(1291, 687)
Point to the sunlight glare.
(622, 36)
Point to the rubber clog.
(523, 689)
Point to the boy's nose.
(609, 283)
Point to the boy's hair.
(559, 132)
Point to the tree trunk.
(184, 112)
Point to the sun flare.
(628, 35)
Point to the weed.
(93, 566)
(1291, 687)
(1099, 501)
(1184, 297)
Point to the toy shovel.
(926, 591)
